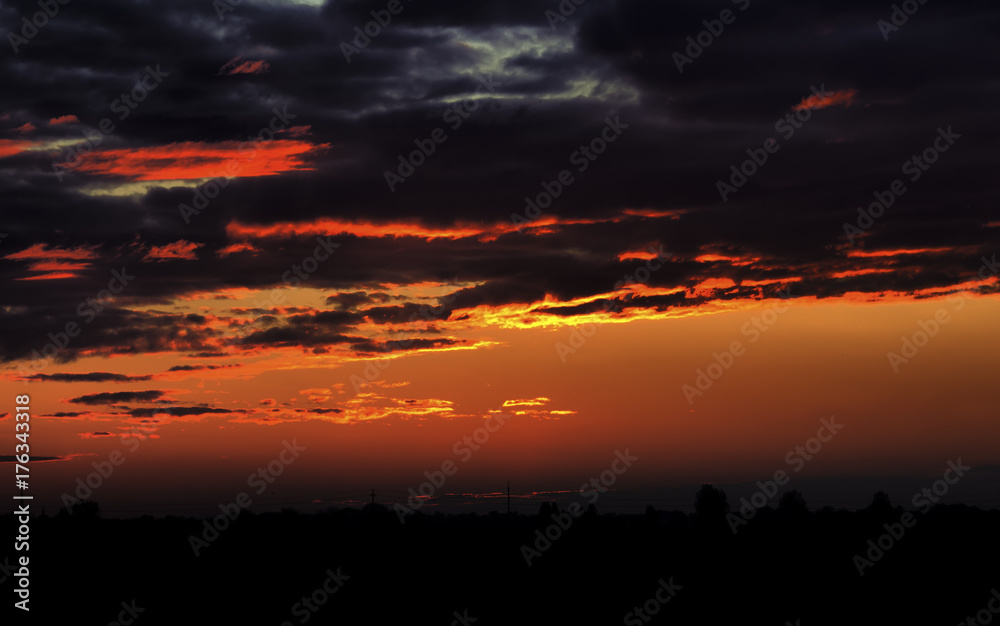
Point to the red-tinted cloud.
(182, 249)
(243, 246)
(10, 147)
(55, 262)
(63, 119)
(239, 65)
(193, 160)
(817, 101)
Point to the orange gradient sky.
(620, 389)
(487, 214)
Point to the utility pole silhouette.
(373, 495)
(508, 497)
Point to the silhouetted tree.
(880, 506)
(710, 502)
(86, 510)
(793, 502)
(710, 507)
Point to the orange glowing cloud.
(10, 147)
(333, 227)
(318, 395)
(56, 262)
(638, 255)
(484, 232)
(52, 276)
(194, 160)
(243, 246)
(822, 101)
(41, 251)
(706, 287)
(523, 403)
(367, 407)
(241, 66)
(25, 128)
(673, 214)
(533, 407)
(183, 250)
(58, 266)
(892, 253)
(855, 273)
(720, 258)
(63, 119)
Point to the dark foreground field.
(354, 566)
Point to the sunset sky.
(230, 226)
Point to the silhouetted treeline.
(785, 564)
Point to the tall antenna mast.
(508, 497)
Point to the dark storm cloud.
(682, 133)
(90, 377)
(397, 345)
(314, 329)
(109, 331)
(181, 411)
(349, 300)
(119, 396)
(408, 312)
(291, 336)
(193, 368)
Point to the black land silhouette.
(783, 565)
